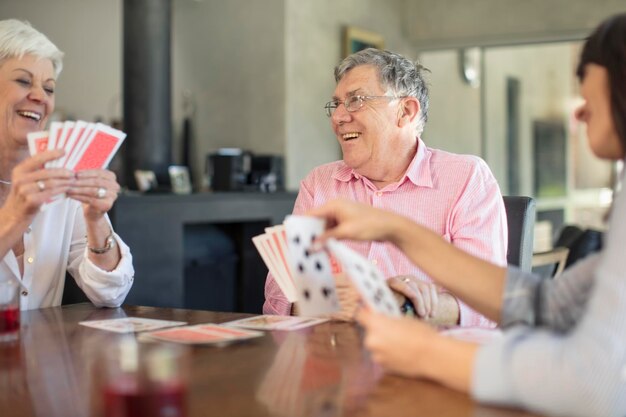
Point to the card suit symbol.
(389, 307)
(306, 294)
(307, 253)
(313, 236)
(326, 292)
(318, 265)
(367, 285)
(359, 268)
(296, 240)
(378, 296)
(373, 275)
(300, 267)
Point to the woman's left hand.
(97, 190)
(396, 343)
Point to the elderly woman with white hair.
(73, 234)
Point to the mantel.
(154, 228)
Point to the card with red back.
(274, 266)
(99, 149)
(78, 146)
(37, 142)
(55, 130)
(72, 140)
(203, 334)
(62, 137)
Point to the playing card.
(367, 279)
(272, 322)
(278, 271)
(37, 142)
(314, 278)
(130, 324)
(71, 141)
(203, 334)
(98, 149)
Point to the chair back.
(550, 264)
(520, 217)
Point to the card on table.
(202, 334)
(131, 324)
(314, 278)
(367, 279)
(271, 322)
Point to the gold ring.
(41, 185)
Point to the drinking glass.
(144, 380)
(9, 310)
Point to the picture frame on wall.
(356, 39)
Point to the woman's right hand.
(355, 221)
(32, 185)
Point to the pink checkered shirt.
(457, 196)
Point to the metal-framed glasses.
(352, 103)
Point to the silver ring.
(101, 193)
(41, 185)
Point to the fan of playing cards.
(307, 276)
(86, 145)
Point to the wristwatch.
(109, 243)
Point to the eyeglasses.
(352, 103)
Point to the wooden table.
(320, 371)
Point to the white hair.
(18, 38)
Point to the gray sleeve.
(554, 303)
(581, 372)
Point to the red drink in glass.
(9, 322)
(126, 399)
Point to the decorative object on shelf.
(179, 177)
(146, 180)
(356, 39)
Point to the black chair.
(520, 217)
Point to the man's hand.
(423, 295)
(349, 299)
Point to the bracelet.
(109, 244)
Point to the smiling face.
(596, 113)
(26, 97)
(372, 140)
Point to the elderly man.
(378, 112)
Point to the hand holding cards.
(86, 145)
(308, 276)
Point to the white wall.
(90, 34)
(313, 49)
(454, 115)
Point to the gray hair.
(395, 72)
(19, 38)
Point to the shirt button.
(379, 193)
(374, 262)
(29, 230)
(30, 259)
(24, 293)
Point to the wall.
(454, 114)
(89, 32)
(430, 24)
(230, 56)
(313, 49)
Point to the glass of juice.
(9, 310)
(145, 380)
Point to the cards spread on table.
(86, 145)
(202, 334)
(131, 324)
(307, 276)
(272, 322)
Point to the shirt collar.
(418, 172)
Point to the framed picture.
(179, 177)
(355, 39)
(146, 180)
